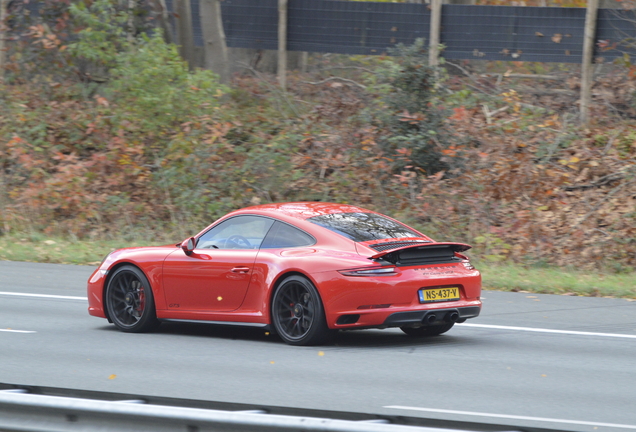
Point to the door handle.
(240, 270)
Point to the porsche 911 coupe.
(302, 270)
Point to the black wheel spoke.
(286, 303)
(116, 295)
(124, 297)
(294, 309)
(121, 285)
(287, 298)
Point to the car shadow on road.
(231, 332)
(343, 340)
(393, 338)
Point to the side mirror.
(188, 245)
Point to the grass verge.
(509, 277)
(552, 280)
(39, 248)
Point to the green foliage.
(152, 150)
(153, 85)
(102, 36)
(77, 163)
(412, 113)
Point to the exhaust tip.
(430, 319)
(452, 317)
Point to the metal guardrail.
(21, 411)
(48, 409)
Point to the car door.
(216, 276)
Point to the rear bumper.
(431, 317)
(393, 301)
(412, 316)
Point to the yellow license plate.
(439, 294)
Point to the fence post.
(436, 21)
(587, 74)
(282, 43)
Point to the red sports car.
(303, 270)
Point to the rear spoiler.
(455, 247)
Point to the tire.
(129, 301)
(426, 331)
(298, 316)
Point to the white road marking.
(17, 331)
(543, 330)
(43, 296)
(513, 417)
(487, 326)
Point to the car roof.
(303, 210)
(298, 213)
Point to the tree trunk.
(215, 48)
(587, 76)
(184, 31)
(130, 31)
(164, 22)
(3, 35)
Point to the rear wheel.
(297, 313)
(129, 300)
(432, 330)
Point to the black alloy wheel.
(129, 301)
(297, 313)
(424, 331)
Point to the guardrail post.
(436, 23)
(587, 74)
(282, 43)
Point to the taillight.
(378, 271)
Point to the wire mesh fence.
(507, 33)
(547, 34)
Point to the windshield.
(362, 227)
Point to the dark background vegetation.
(104, 134)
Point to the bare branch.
(598, 183)
(607, 197)
(489, 115)
(338, 79)
(543, 92)
(532, 76)
(468, 74)
(349, 67)
(274, 89)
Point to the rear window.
(362, 227)
(284, 236)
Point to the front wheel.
(129, 300)
(297, 313)
(425, 331)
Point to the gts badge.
(173, 305)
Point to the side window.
(240, 232)
(285, 236)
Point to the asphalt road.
(529, 360)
